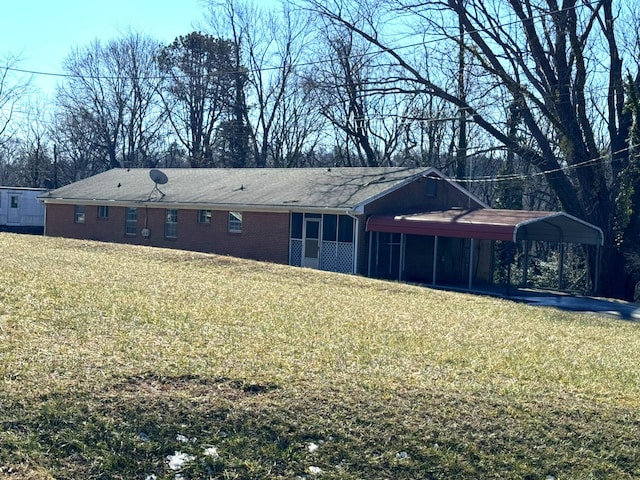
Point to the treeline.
(278, 87)
(530, 104)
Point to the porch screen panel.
(295, 242)
(345, 229)
(328, 260)
(329, 227)
(295, 252)
(337, 247)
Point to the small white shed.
(20, 208)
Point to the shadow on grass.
(155, 428)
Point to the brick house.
(349, 220)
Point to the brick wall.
(264, 236)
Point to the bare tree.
(75, 156)
(342, 88)
(9, 174)
(198, 90)
(110, 93)
(283, 124)
(33, 156)
(12, 90)
(558, 65)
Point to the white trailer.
(20, 209)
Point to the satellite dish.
(158, 177)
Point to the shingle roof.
(330, 188)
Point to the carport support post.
(471, 264)
(403, 241)
(525, 269)
(596, 280)
(435, 258)
(561, 267)
(370, 254)
(377, 262)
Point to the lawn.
(122, 362)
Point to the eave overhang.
(146, 203)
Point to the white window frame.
(79, 214)
(131, 224)
(235, 222)
(171, 223)
(103, 212)
(204, 216)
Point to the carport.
(484, 224)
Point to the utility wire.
(310, 63)
(525, 176)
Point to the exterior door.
(14, 209)
(311, 243)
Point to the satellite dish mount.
(159, 178)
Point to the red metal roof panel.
(490, 224)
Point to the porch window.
(296, 225)
(14, 201)
(131, 222)
(171, 223)
(78, 213)
(235, 222)
(345, 228)
(329, 227)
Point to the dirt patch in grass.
(226, 428)
(192, 386)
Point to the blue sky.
(43, 32)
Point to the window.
(131, 222)
(235, 222)
(329, 227)
(296, 225)
(78, 213)
(14, 201)
(103, 212)
(171, 223)
(345, 228)
(204, 216)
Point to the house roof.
(258, 188)
(492, 224)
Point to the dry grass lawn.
(122, 362)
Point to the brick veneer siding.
(265, 236)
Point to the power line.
(527, 176)
(310, 63)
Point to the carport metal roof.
(491, 224)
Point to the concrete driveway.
(602, 306)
